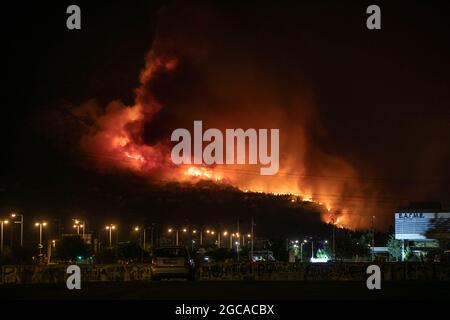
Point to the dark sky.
(382, 97)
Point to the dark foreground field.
(231, 290)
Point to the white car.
(172, 262)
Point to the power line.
(219, 168)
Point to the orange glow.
(116, 142)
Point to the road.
(231, 290)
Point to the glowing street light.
(233, 235)
(110, 228)
(79, 224)
(14, 215)
(2, 222)
(40, 225)
(200, 233)
(144, 233)
(170, 230)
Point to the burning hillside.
(190, 75)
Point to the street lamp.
(40, 225)
(79, 224)
(237, 243)
(248, 236)
(200, 235)
(2, 222)
(211, 233)
(301, 249)
(231, 240)
(13, 215)
(110, 228)
(225, 233)
(144, 231)
(170, 230)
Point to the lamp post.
(110, 228)
(170, 230)
(238, 244)
(200, 236)
(301, 249)
(144, 235)
(232, 235)
(13, 215)
(137, 229)
(218, 239)
(225, 233)
(40, 225)
(2, 222)
(79, 224)
(212, 232)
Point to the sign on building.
(422, 225)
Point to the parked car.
(172, 262)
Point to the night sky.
(380, 100)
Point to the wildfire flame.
(201, 172)
(115, 141)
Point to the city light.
(14, 215)
(78, 224)
(40, 225)
(110, 228)
(2, 222)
